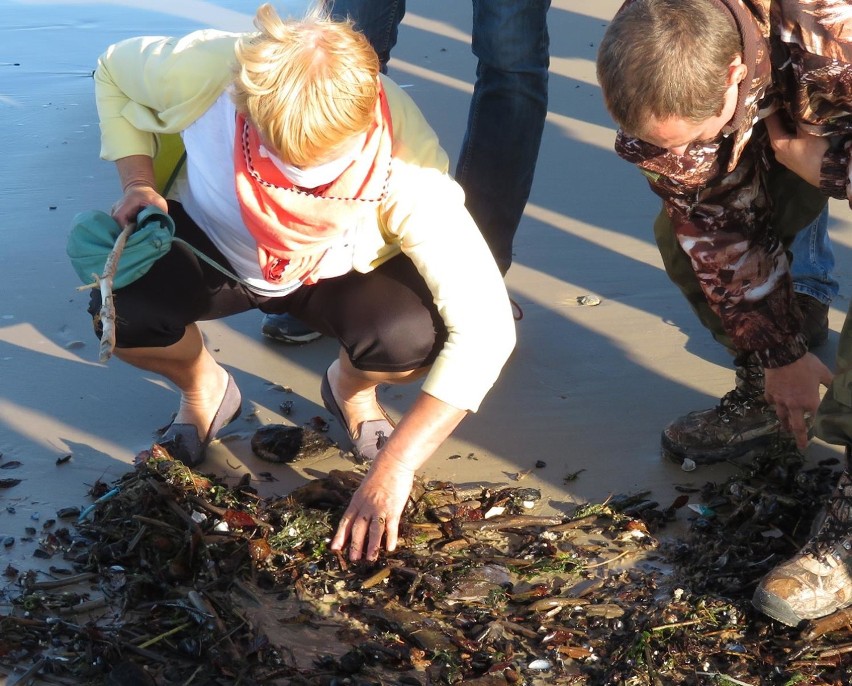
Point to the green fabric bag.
(93, 235)
(92, 239)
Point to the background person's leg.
(815, 286)
(506, 119)
(378, 20)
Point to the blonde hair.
(666, 58)
(308, 85)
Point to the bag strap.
(173, 176)
(200, 255)
(209, 260)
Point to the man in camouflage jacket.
(739, 113)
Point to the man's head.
(309, 86)
(669, 70)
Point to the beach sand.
(586, 392)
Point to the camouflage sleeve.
(818, 74)
(744, 274)
(835, 173)
(722, 221)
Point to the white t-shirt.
(209, 196)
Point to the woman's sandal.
(372, 434)
(182, 441)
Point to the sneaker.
(287, 329)
(818, 580)
(815, 314)
(741, 425)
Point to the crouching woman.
(317, 183)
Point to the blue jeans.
(813, 261)
(507, 111)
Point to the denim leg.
(813, 261)
(377, 19)
(506, 118)
(507, 110)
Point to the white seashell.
(539, 665)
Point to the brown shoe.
(818, 580)
(739, 426)
(815, 314)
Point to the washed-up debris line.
(175, 578)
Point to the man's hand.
(799, 151)
(794, 390)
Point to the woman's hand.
(136, 173)
(136, 197)
(799, 151)
(375, 510)
(376, 507)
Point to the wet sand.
(586, 392)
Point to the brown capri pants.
(385, 319)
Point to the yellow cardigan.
(152, 86)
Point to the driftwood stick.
(842, 619)
(58, 583)
(839, 650)
(105, 280)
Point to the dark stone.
(286, 444)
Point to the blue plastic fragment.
(91, 508)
